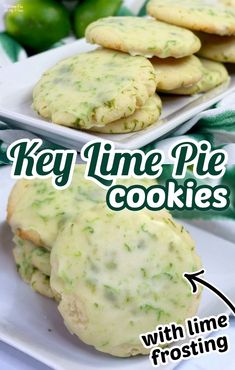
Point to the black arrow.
(194, 277)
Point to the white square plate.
(16, 85)
(32, 324)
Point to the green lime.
(90, 10)
(38, 24)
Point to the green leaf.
(10, 46)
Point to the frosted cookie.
(214, 74)
(198, 15)
(36, 210)
(112, 272)
(94, 88)
(141, 119)
(33, 266)
(175, 73)
(142, 36)
(218, 48)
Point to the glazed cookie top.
(175, 73)
(94, 88)
(142, 36)
(198, 15)
(36, 210)
(112, 271)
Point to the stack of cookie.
(108, 271)
(112, 89)
(169, 46)
(35, 213)
(214, 25)
(103, 91)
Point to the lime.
(90, 10)
(37, 24)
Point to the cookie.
(33, 266)
(228, 2)
(214, 74)
(217, 48)
(197, 15)
(175, 73)
(112, 274)
(94, 88)
(36, 210)
(140, 36)
(141, 119)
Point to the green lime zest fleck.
(145, 230)
(127, 247)
(148, 308)
(111, 293)
(89, 229)
(144, 273)
(111, 265)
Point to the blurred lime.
(37, 24)
(91, 10)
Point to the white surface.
(12, 359)
(25, 316)
(17, 82)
